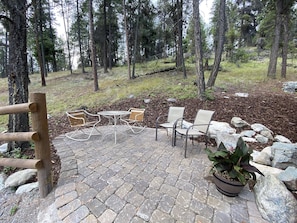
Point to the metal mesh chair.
(135, 120)
(84, 123)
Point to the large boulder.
(275, 202)
(284, 155)
(19, 178)
(289, 177)
(216, 127)
(27, 188)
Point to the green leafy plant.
(233, 163)
(13, 210)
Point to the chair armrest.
(93, 115)
(177, 121)
(161, 117)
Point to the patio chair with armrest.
(135, 120)
(194, 130)
(174, 113)
(81, 120)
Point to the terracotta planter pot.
(227, 187)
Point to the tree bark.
(105, 38)
(198, 52)
(220, 46)
(18, 78)
(127, 39)
(285, 19)
(275, 45)
(93, 48)
(180, 63)
(81, 56)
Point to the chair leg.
(156, 132)
(186, 145)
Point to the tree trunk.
(105, 38)
(55, 67)
(127, 39)
(93, 48)
(135, 48)
(285, 45)
(275, 45)
(82, 59)
(38, 42)
(110, 36)
(180, 63)
(67, 38)
(198, 51)
(18, 78)
(220, 46)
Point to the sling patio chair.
(85, 124)
(135, 120)
(174, 114)
(194, 130)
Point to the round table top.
(112, 113)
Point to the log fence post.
(39, 136)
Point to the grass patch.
(65, 91)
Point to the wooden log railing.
(40, 137)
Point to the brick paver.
(141, 180)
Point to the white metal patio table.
(114, 116)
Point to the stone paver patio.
(139, 180)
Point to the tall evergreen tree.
(18, 79)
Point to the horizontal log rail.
(19, 136)
(18, 108)
(39, 136)
(22, 163)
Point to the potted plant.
(231, 168)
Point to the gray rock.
(259, 127)
(284, 155)
(267, 170)
(19, 178)
(228, 140)
(242, 95)
(146, 101)
(290, 86)
(4, 148)
(289, 177)
(216, 127)
(267, 134)
(261, 139)
(2, 180)
(172, 100)
(238, 122)
(248, 133)
(275, 202)
(261, 158)
(26, 188)
(267, 150)
(248, 139)
(280, 138)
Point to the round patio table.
(114, 116)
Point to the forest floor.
(274, 109)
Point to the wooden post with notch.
(42, 146)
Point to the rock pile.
(275, 192)
(20, 180)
